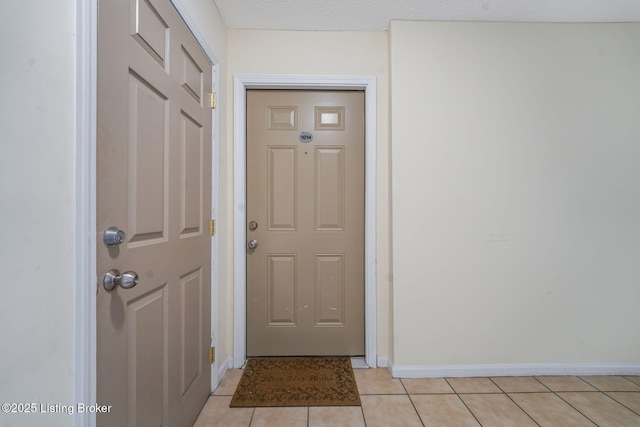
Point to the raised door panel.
(282, 118)
(192, 151)
(329, 290)
(282, 188)
(191, 320)
(329, 188)
(147, 321)
(150, 30)
(192, 76)
(281, 285)
(148, 157)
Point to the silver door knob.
(252, 244)
(113, 278)
(113, 236)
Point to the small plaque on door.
(306, 137)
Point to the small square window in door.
(329, 118)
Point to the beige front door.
(305, 212)
(154, 183)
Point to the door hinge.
(212, 227)
(212, 354)
(212, 100)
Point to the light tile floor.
(611, 401)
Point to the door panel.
(329, 188)
(191, 194)
(153, 182)
(282, 188)
(305, 192)
(148, 149)
(147, 322)
(191, 289)
(281, 285)
(329, 290)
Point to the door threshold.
(356, 363)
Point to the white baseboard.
(383, 361)
(223, 368)
(512, 370)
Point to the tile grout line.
(576, 409)
(604, 392)
(252, 415)
(514, 402)
(587, 382)
(364, 420)
(618, 402)
(463, 402)
(570, 405)
(628, 378)
(411, 400)
(543, 384)
(556, 393)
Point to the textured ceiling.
(373, 15)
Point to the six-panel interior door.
(154, 183)
(305, 213)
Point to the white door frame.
(243, 82)
(86, 235)
(84, 387)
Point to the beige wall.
(516, 193)
(315, 53)
(37, 195)
(209, 22)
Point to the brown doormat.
(297, 381)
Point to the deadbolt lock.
(113, 236)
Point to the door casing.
(85, 271)
(243, 82)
